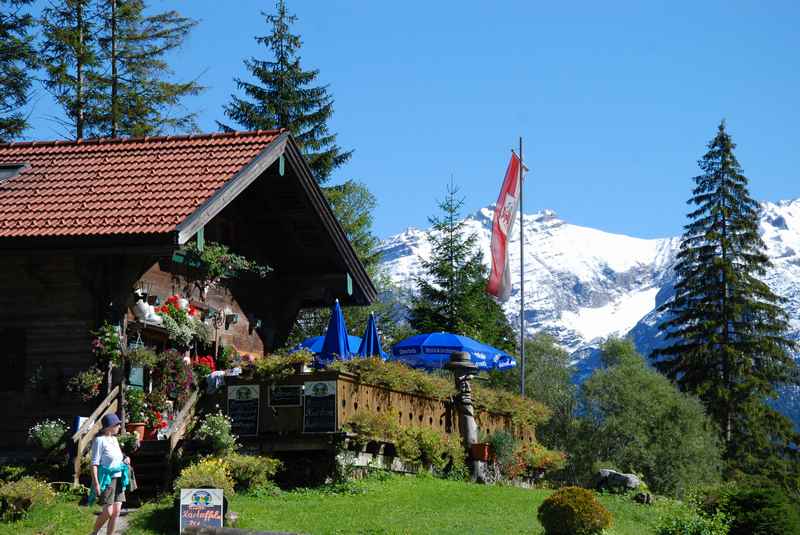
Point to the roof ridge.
(144, 139)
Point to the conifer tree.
(283, 96)
(70, 59)
(17, 59)
(726, 330)
(136, 98)
(105, 66)
(451, 293)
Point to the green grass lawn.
(403, 505)
(64, 517)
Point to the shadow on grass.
(160, 517)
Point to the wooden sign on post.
(319, 413)
(243, 406)
(202, 508)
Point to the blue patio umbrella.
(371, 343)
(432, 351)
(336, 343)
(314, 344)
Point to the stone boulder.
(614, 481)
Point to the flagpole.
(521, 283)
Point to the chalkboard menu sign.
(201, 508)
(319, 413)
(285, 395)
(243, 405)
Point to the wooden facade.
(55, 289)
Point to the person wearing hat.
(110, 473)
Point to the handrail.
(182, 420)
(84, 436)
(98, 413)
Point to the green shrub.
(278, 366)
(208, 473)
(48, 434)
(503, 445)
(691, 522)
(215, 431)
(760, 511)
(573, 511)
(11, 472)
(18, 497)
(251, 472)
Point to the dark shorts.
(113, 493)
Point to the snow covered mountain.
(583, 285)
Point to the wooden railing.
(82, 439)
(182, 421)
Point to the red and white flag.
(504, 216)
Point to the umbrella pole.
(521, 283)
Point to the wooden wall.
(43, 296)
(241, 335)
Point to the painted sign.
(243, 406)
(319, 413)
(200, 508)
(285, 395)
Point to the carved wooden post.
(463, 371)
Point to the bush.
(760, 511)
(503, 445)
(208, 473)
(18, 497)
(273, 368)
(48, 434)
(693, 523)
(430, 448)
(573, 511)
(11, 472)
(250, 472)
(215, 431)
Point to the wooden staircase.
(153, 461)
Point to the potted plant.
(143, 357)
(129, 442)
(86, 384)
(154, 422)
(135, 411)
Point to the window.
(12, 360)
(10, 170)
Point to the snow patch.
(614, 319)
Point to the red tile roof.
(118, 186)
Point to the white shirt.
(106, 451)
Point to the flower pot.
(135, 427)
(480, 451)
(151, 433)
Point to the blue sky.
(615, 100)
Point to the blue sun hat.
(109, 420)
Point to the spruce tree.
(136, 98)
(726, 331)
(451, 292)
(71, 63)
(17, 60)
(283, 96)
